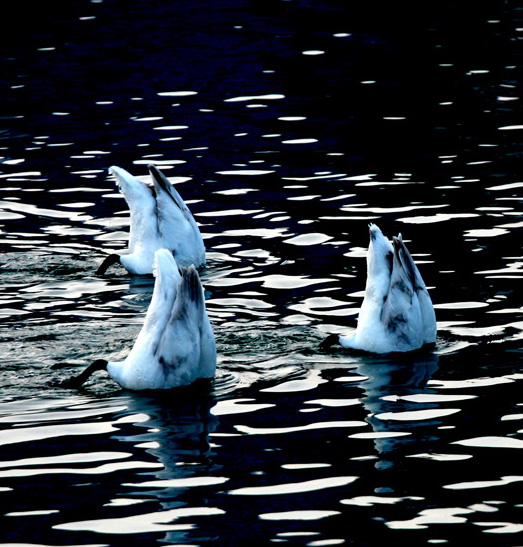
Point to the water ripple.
(302, 138)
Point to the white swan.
(176, 345)
(397, 313)
(159, 219)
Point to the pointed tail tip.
(158, 177)
(120, 173)
(155, 173)
(115, 170)
(164, 260)
(397, 241)
(193, 285)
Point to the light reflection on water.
(283, 162)
(356, 415)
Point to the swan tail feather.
(162, 184)
(191, 289)
(407, 263)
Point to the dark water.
(289, 125)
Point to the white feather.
(159, 219)
(176, 345)
(397, 313)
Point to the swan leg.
(109, 261)
(76, 381)
(329, 342)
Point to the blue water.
(287, 126)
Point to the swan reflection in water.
(176, 427)
(177, 424)
(390, 386)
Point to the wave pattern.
(287, 129)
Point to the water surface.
(287, 127)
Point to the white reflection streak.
(30, 434)
(189, 482)
(298, 515)
(308, 239)
(100, 470)
(309, 427)
(67, 458)
(272, 96)
(274, 281)
(415, 415)
(294, 487)
(246, 172)
(448, 515)
(150, 522)
(501, 527)
(238, 406)
(510, 186)
(492, 442)
(386, 210)
(471, 382)
(369, 501)
(177, 93)
(503, 481)
(37, 211)
(438, 217)
(49, 414)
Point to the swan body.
(159, 219)
(176, 344)
(397, 314)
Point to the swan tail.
(177, 227)
(127, 183)
(179, 348)
(167, 280)
(406, 261)
(165, 265)
(140, 198)
(162, 184)
(192, 294)
(410, 266)
(191, 290)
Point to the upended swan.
(397, 314)
(159, 219)
(176, 345)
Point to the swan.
(176, 344)
(397, 314)
(159, 219)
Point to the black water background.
(413, 96)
